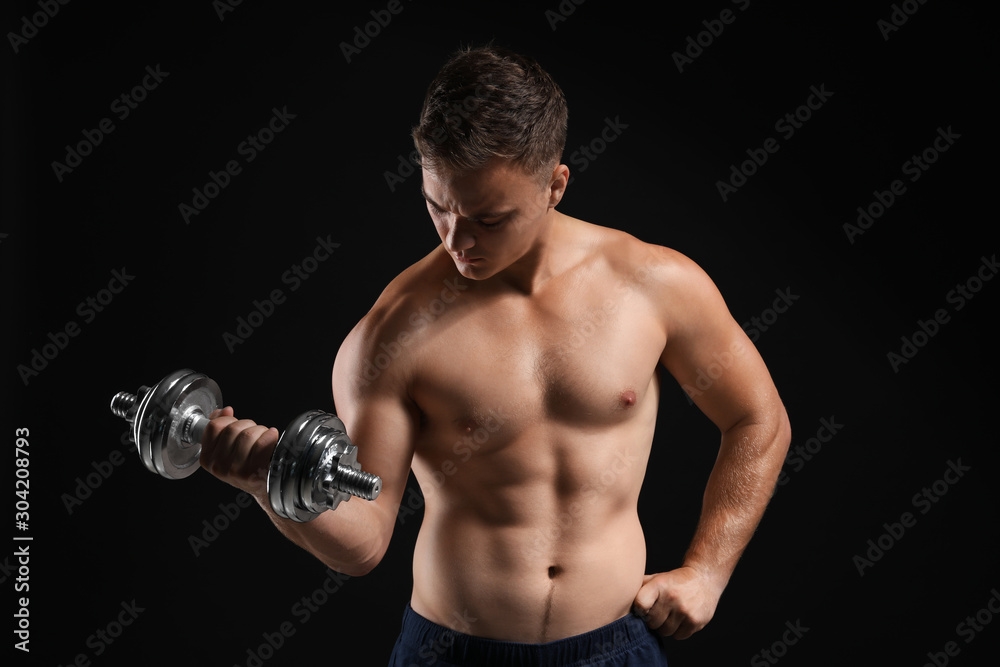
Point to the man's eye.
(496, 222)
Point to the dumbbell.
(313, 469)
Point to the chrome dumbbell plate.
(305, 460)
(163, 413)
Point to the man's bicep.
(381, 421)
(711, 357)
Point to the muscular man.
(523, 394)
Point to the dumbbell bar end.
(167, 421)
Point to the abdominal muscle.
(543, 569)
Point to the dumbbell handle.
(344, 479)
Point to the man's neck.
(546, 259)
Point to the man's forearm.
(348, 539)
(738, 490)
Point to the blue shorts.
(626, 643)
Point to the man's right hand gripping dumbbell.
(238, 451)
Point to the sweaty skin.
(516, 370)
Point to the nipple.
(628, 398)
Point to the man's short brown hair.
(487, 103)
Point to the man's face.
(488, 219)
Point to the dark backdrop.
(837, 557)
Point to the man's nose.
(460, 237)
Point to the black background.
(324, 176)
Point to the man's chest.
(586, 359)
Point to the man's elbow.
(356, 566)
(772, 426)
(354, 569)
(368, 559)
(355, 560)
(369, 562)
(783, 435)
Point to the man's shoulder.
(673, 285)
(371, 353)
(635, 260)
(414, 290)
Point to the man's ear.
(557, 184)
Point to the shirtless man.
(523, 392)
